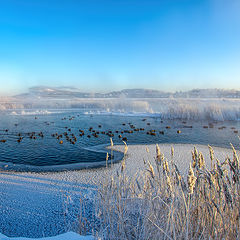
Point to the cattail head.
(191, 179)
(125, 148)
(151, 169)
(166, 167)
(111, 142)
(201, 160)
(107, 159)
(211, 155)
(162, 157)
(211, 152)
(147, 149)
(195, 152)
(194, 160)
(158, 153)
(172, 151)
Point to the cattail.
(166, 167)
(162, 157)
(201, 160)
(191, 179)
(194, 160)
(195, 152)
(172, 151)
(151, 169)
(107, 159)
(125, 148)
(211, 155)
(158, 153)
(111, 142)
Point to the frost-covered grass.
(161, 203)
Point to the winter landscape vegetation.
(119, 119)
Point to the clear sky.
(110, 45)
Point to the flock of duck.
(70, 137)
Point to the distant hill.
(208, 93)
(70, 92)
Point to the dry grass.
(160, 203)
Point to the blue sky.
(111, 45)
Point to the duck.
(152, 133)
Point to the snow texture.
(40, 205)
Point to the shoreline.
(34, 202)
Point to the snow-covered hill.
(70, 93)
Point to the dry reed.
(162, 204)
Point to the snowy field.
(48, 204)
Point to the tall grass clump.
(161, 203)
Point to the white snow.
(36, 205)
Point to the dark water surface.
(46, 150)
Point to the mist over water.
(166, 108)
